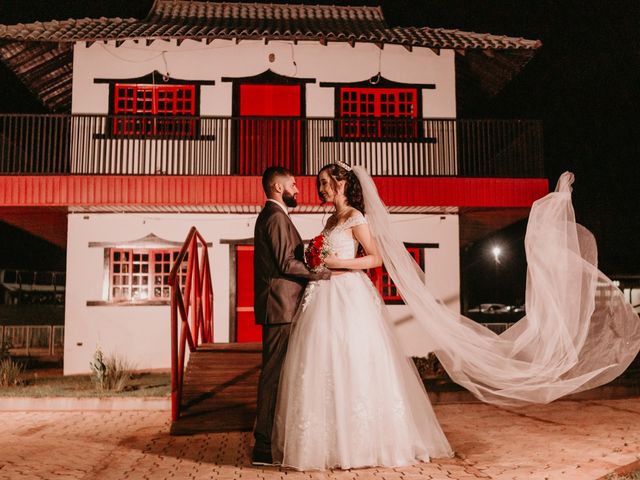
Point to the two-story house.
(166, 122)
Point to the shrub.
(10, 371)
(110, 373)
(430, 367)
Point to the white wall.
(442, 267)
(141, 333)
(192, 60)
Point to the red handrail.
(196, 303)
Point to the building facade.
(169, 121)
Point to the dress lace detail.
(340, 242)
(353, 221)
(308, 294)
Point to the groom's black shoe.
(261, 458)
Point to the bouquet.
(316, 252)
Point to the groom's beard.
(289, 200)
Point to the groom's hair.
(270, 175)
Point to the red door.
(263, 142)
(246, 328)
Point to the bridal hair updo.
(352, 188)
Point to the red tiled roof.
(202, 20)
(48, 44)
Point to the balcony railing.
(138, 145)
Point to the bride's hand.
(332, 261)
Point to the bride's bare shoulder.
(354, 213)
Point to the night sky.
(584, 84)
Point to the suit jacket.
(280, 274)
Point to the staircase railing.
(191, 309)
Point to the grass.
(48, 384)
(629, 476)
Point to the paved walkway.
(564, 440)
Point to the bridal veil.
(578, 332)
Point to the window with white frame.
(139, 275)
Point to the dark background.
(584, 83)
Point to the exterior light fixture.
(497, 251)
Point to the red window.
(139, 275)
(383, 282)
(393, 112)
(137, 105)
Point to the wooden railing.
(153, 145)
(191, 309)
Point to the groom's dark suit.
(280, 276)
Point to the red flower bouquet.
(315, 253)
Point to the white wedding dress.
(348, 396)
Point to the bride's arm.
(372, 258)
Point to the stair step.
(220, 389)
(231, 347)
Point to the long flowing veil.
(578, 332)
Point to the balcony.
(214, 146)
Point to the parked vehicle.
(496, 313)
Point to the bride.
(348, 396)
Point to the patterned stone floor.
(564, 440)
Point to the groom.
(280, 276)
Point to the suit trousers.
(275, 339)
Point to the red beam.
(63, 191)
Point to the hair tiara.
(343, 165)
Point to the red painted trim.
(57, 191)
